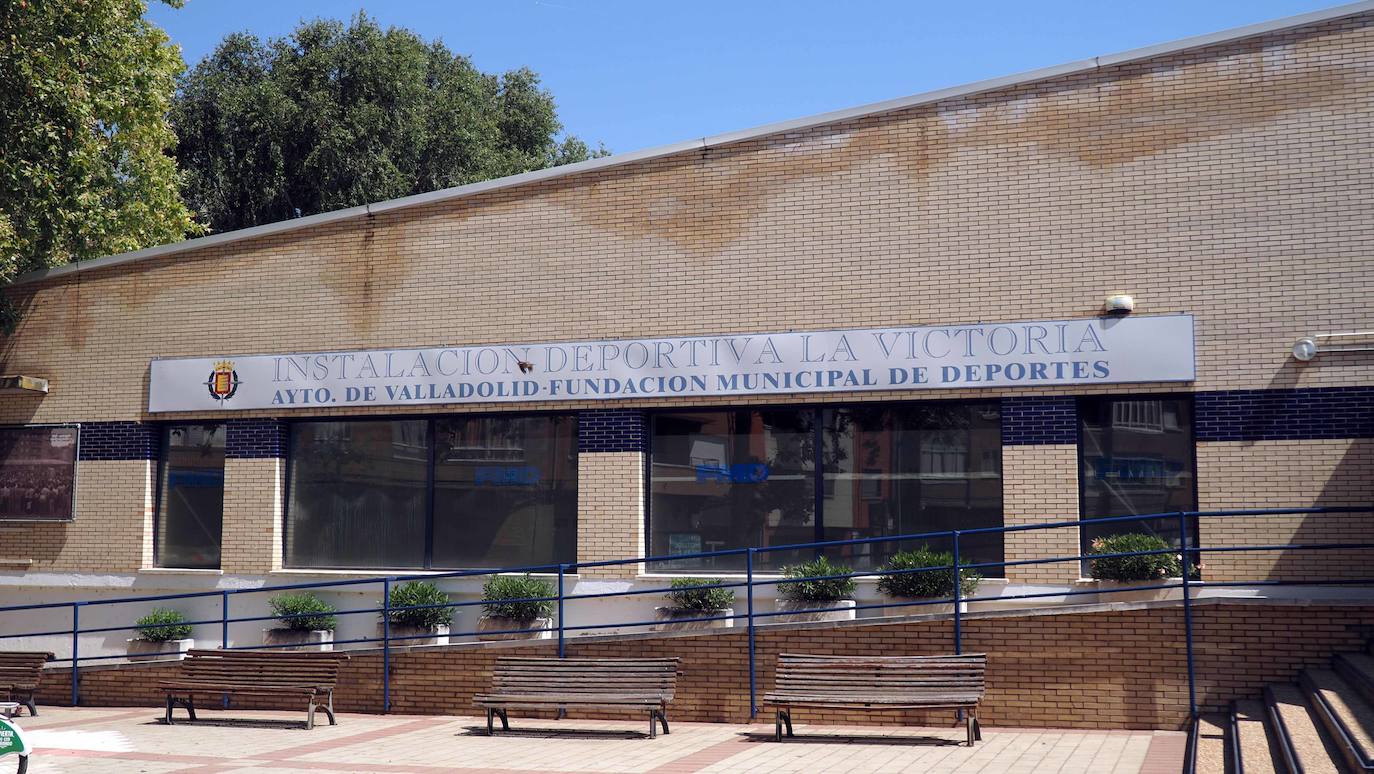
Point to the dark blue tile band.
(1039, 420)
(254, 439)
(611, 430)
(118, 441)
(1276, 415)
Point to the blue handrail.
(1187, 551)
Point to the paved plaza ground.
(99, 740)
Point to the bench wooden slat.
(878, 682)
(21, 672)
(311, 675)
(533, 683)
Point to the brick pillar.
(254, 490)
(115, 488)
(610, 489)
(1040, 484)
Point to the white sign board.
(1103, 350)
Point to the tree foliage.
(339, 115)
(85, 88)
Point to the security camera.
(1118, 304)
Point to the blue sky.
(639, 74)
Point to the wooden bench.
(534, 683)
(306, 675)
(20, 673)
(879, 683)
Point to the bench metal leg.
(653, 724)
(188, 703)
(328, 708)
(168, 717)
(968, 723)
(33, 708)
(663, 718)
(493, 713)
(977, 730)
(310, 714)
(784, 718)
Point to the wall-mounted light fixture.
(1118, 304)
(1307, 347)
(29, 384)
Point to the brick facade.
(1122, 668)
(1195, 181)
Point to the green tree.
(339, 115)
(85, 87)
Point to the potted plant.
(1124, 572)
(162, 633)
(908, 587)
(308, 623)
(416, 615)
(687, 600)
(504, 614)
(810, 600)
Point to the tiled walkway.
(124, 740)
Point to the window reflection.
(357, 494)
(1136, 457)
(505, 491)
(190, 515)
(732, 479)
(928, 467)
(748, 477)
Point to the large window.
(37, 473)
(190, 514)
(1135, 457)
(751, 477)
(900, 470)
(466, 492)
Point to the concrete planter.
(543, 628)
(907, 606)
(164, 650)
(298, 639)
(1125, 591)
(793, 607)
(670, 619)
(423, 635)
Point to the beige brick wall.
(1276, 474)
(112, 530)
(610, 511)
(1195, 181)
(1040, 484)
(253, 497)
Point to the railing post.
(561, 569)
(224, 636)
(76, 656)
(749, 592)
(386, 645)
(958, 619)
(1188, 613)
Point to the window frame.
(163, 446)
(818, 472)
(1191, 398)
(430, 420)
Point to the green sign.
(12, 738)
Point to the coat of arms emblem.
(223, 381)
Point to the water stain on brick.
(705, 200)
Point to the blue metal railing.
(1189, 555)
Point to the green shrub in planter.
(500, 588)
(932, 584)
(684, 597)
(407, 598)
(831, 590)
(310, 612)
(163, 625)
(1154, 567)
